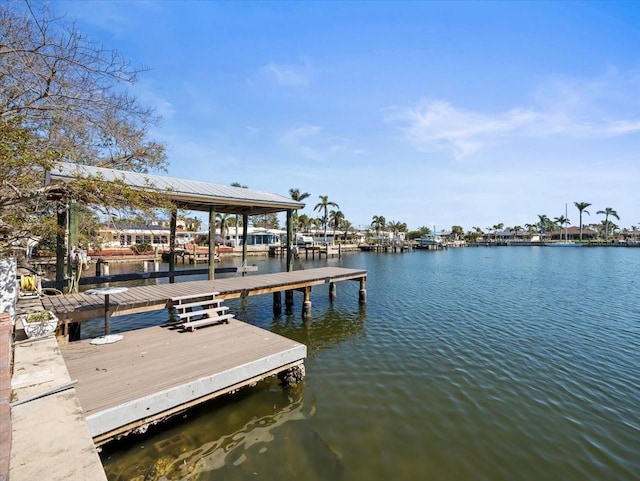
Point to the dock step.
(198, 310)
(191, 325)
(190, 305)
(203, 312)
(178, 299)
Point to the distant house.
(573, 233)
(127, 236)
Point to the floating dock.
(157, 372)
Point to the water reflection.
(327, 331)
(222, 435)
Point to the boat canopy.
(186, 194)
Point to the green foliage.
(41, 317)
(141, 248)
(323, 208)
(457, 231)
(416, 234)
(267, 221)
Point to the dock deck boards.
(154, 370)
(81, 307)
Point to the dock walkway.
(50, 439)
(81, 307)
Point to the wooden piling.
(363, 291)
(306, 304)
(277, 303)
(333, 291)
(288, 302)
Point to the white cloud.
(438, 125)
(599, 108)
(310, 142)
(301, 140)
(287, 75)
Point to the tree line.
(544, 225)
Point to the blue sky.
(428, 113)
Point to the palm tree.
(562, 220)
(222, 221)
(475, 234)
(378, 223)
(346, 228)
(394, 227)
(582, 207)
(336, 218)
(516, 229)
(304, 223)
(317, 223)
(457, 231)
(608, 211)
(543, 224)
(193, 224)
(496, 228)
(298, 197)
(323, 206)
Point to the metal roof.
(186, 194)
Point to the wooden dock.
(156, 372)
(72, 308)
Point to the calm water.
(469, 364)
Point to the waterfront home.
(573, 233)
(154, 235)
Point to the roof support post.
(60, 241)
(173, 220)
(289, 239)
(73, 267)
(245, 223)
(212, 241)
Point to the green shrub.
(141, 248)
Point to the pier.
(76, 308)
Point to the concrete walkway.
(49, 435)
(6, 331)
